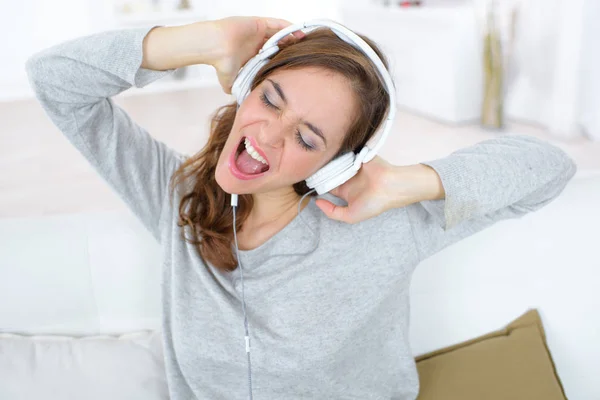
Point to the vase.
(492, 112)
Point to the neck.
(271, 212)
(273, 206)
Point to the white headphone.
(344, 167)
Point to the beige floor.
(42, 174)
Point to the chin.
(226, 181)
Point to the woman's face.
(294, 122)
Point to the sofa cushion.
(511, 363)
(78, 274)
(93, 368)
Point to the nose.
(272, 133)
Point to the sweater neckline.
(296, 238)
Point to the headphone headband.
(328, 176)
(270, 47)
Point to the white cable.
(247, 337)
(234, 198)
(299, 214)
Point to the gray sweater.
(328, 313)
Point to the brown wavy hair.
(205, 208)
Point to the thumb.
(336, 192)
(332, 211)
(225, 83)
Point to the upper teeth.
(253, 153)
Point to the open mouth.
(248, 161)
(240, 148)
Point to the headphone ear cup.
(336, 181)
(332, 172)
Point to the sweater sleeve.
(74, 82)
(501, 178)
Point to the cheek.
(301, 164)
(244, 116)
(241, 119)
(251, 109)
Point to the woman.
(327, 294)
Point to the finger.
(299, 34)
(289, 39)
(295, 36)
(225, 84)
(332, 211)
(274, 25)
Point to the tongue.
(249, 165)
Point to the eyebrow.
(310, 126)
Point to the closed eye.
(266, 101)
(299, 138)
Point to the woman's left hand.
(380, 186)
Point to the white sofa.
(98, 274)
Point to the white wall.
(590, 72)
(294, 11)
(556, 78)
(29, 26)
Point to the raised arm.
(74, 82)
(493, 180)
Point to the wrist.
(432, 189)
(414, 183)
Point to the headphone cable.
(234, 200)
(247, 335)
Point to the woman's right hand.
(240, 38)
(226, 44)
